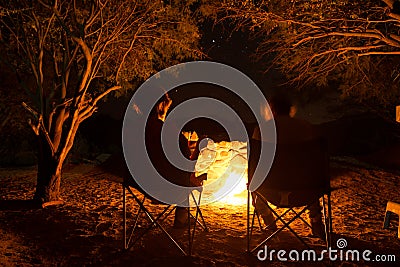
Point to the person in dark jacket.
(290, 130)
(159, 160)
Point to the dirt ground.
(87, 229)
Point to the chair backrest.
(296, 167)
(116, 166)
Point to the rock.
(103, 226)
(207, 154)
(102, 158)
(224, 154)
(237, 145)
(238, 160)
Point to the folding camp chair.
(297, 179)
(141, 200)
(391, 208)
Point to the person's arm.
(196, 152)
(197, 181)
(183, 145)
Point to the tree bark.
(49, 174)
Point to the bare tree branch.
(88, 66)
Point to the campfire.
(226, 166)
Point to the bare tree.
(355, 43)
(70, 54)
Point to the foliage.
(317, 42)
(69, 55)
(87, 47)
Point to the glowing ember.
(226, 166)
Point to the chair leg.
(248, 221)
(285, 225)
(301, 218)
(204, 225)
(330, 214)
(128, 238)
(255, 214)
(386, 222)
(124, 214)
(189, 234)
(170, 211)
(258, 219)
(392, 208)
(326, 223)
(138, 213)
(156, 220)
(281, 216)
(199, 213)
(196, 217)
(153, 222)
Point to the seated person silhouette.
(161, 163)
(289, 130)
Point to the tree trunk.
(49, 174)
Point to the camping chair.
(391, 208)
(297, 178)
(141, 199)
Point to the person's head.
(282, 105)
(160, 109)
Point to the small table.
(391, 208)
